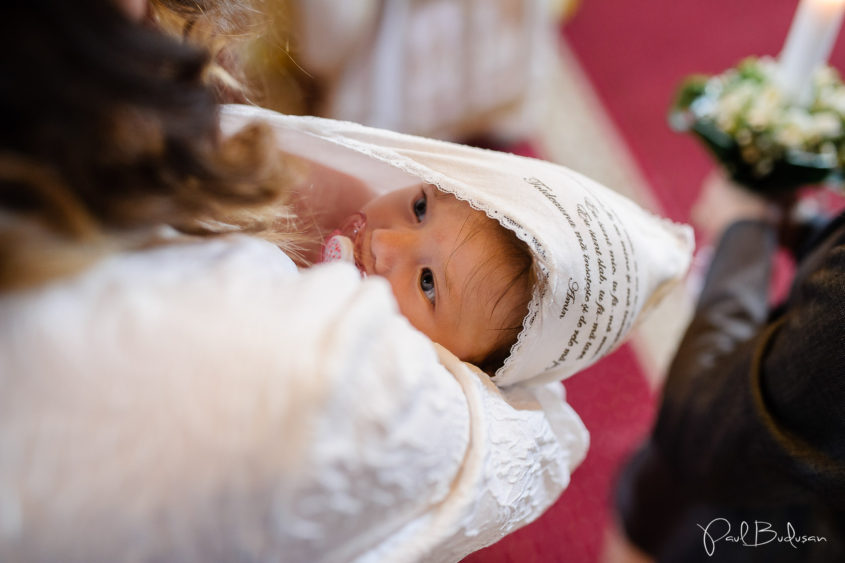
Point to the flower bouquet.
(763, 141)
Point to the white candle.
(808, 46)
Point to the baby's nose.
(391, 248)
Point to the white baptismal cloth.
(603, 260)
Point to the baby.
(457, 275)
(524, 268)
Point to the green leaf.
(691, 88)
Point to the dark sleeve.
(752, 408)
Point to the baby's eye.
(420, 206)
(427, 284)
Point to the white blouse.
(208, 402)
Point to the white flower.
(826, 125)
(733, 105)
(764, 108)
(789, 135)
(833, 100)
(825, 77)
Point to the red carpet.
(635, 54)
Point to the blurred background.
(584, 83)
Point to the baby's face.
(437, 253)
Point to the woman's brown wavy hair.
(107, 129)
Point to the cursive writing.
(719, 529)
